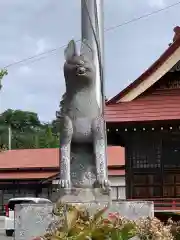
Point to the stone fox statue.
(82, 145)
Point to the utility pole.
(9, 137)
(92, 17)
(92, 27)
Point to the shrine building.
(145, 119)
(35, 173)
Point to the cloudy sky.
(33, 26)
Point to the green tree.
(46, 137)
(20, 120)
(3, 72)
(24, 125)
(27, 130)
(55, 127)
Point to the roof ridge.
(176, 33)
(158, 63)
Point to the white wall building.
(118, 187)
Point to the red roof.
(29, 158)
(48, 158)
(148, 104)
(45, 175)
(171, 49)
(26, 175)
(157, 108)
(116, 172)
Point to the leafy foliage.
(3, 72)
(27, 130)
(76, 223)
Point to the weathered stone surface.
(82, 128)
(84, 195)
(33, 220)
(133, 209)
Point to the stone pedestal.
(84, 195)
(33, 220)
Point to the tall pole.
(92, 19)
(9, 137)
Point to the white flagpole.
(92, 18)
(9, 137)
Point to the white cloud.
(41, 46)
(24, 70)
(157, 3)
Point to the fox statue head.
(79, 69)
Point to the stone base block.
(84, 195)
(33, 220)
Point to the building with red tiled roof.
(31, 172)
(49, 158)
(145, 119)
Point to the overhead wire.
(143, 16)
(45, 54)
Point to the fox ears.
(71, 50)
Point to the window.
(145, 154)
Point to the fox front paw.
(65, 183)
(102, 183)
